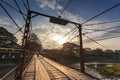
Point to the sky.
(73, 10)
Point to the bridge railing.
(26, 59)
(10, 75)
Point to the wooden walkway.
(41, 68)
(29, 73)
(35, 70)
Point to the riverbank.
(103, 71)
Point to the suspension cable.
(102, 23)
(19, 9)
(73, 37)
(95, 41)
(65, 7)
(25, 5)
(106, 38)
(10, 16)
(28, 4)
(95, 30)
(18, 30)
(101, 13)
(70, 38)
(12, 7)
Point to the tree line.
(70, 53)
(7, 39)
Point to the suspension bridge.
(30, 65)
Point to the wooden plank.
(41, 73)
(71, 73)
(52, 71)
(35, 70)
(29, 73)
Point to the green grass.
(110, 71)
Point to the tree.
(71, 49)
(117, 52)
(108, 53)
(98, 52)
(6, 37)
(34, 43)
(34, 46)
(87, 52)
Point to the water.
(90, 68)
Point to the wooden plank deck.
(41, 73)
(29, 73)
(71, 73)
(37, 71)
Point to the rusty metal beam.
(25, 41)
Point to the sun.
(62, 41)
(59, 39)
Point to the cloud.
(49, 4)
(7, 23)
(72, 17)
